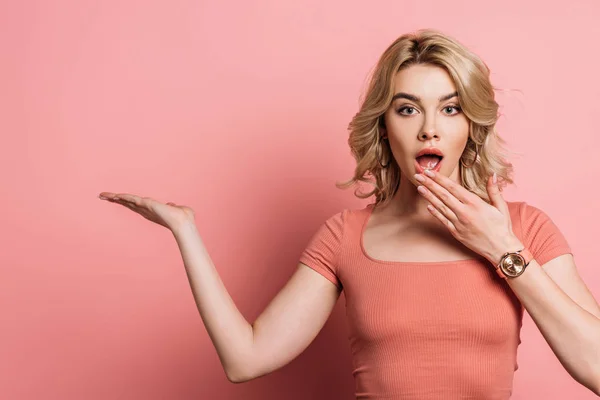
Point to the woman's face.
(417, 119)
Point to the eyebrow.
(402, 95)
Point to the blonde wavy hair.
(485, 149)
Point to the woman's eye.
(406, 108)
(457, 108)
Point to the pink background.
(239, 110)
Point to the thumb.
(495, 195)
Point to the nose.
(429, 130)
(428, 134)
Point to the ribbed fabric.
(429, 330)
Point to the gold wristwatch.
(513, 263)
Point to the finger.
(127, 204)
(132, 207)
(441, 218)
(437, 203)
(458, 191)
(496, 196)
(106, 195)
(449, 200)
(137, 200)
(144, 212)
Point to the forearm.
(572, 332)
(230, 332)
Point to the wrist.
(183, 228)
(511, 244)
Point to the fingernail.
(429, 173)
(102, 197)
(494, 178)
(419, 177)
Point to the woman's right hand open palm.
(169, 215)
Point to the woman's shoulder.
(514, 206)
(346, 219)
(524, 210)
(346, 214)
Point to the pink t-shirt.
(429, 330)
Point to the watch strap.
(499, 272)
(526, 255)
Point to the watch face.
(513, 265)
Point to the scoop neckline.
(369, 212)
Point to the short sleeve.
(542, 237)
(321, 253)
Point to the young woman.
(436, 271)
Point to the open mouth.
(428, 161)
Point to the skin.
(411, 126)
(555, 296)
